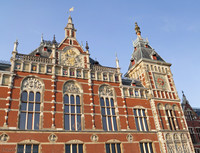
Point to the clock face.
(72, 57)
(161, 81)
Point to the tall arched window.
(72, 107)
(171, 116)
(29, 117)
(109, 117)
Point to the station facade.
(57, 99)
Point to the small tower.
(70, 31)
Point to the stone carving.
(71, 87)
(129, 138)
(32, 84)
(106, 91)
(94, 138)
(4, 138)
(53, 138)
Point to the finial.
(54, 39)
(137, 29)
(15, 45)
(87, 47)
(117, 61)
(42, 38)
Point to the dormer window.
(154, 57)
(45, 48)
(132, 61)
(70, 42)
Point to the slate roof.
(142, 50)
(129, 82)
(5, 66)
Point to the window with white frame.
(171, 117)
(113, 148)
(140, 119)
(27, 148)
(146, 147)
(74, 148)
(29, 117)
(109, 117)
(72, 107)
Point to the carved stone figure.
(32, 84)
(71, 87)
(106, 91)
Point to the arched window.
(140, 119)
(109, 117)
(72, 107)
(29, 117)
(171, 117)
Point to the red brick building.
(59, 100)
(193, 122)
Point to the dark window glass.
(108, 110)
(66, 108)
(80, 148)
(23, 106)
(146, 147)
(66, 99)
(29, 126)
(78, 100)
(112, 102)
(150, 146)
(28, 148)
(72, 99)
(109, 123)
(20, 149)
(145, 122)
(73, 122)
(141, 124)
(37, 97)
(115, 123)
(141, 148)
(118, 148)
(74, 148)
(37, 107)
(72, 109)
(22, 121)
(67, 149)
(66, 122)
(113, 148)
(37, 119)
(107, 102)
(113, 111)
(78, 109)
(31, 96)
(30, 107)
(35, 148)
(24, 96)
(102, 102)
(104, 123)
(103, 111)
(107, 148)
(79, 122)
(137, 124)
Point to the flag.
(71, 9)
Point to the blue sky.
(172, 28)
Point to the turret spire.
(15, 46)
(117, 61)
(184, 100)
(70, 31)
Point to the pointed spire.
(42, 40)
(15, 46)
(70, 31)
(117, 61)
(54, 39)
(184, 99)
(87, 47)
(137, 29)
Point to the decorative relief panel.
(53, 138)
(94, 138)
(32, 83)
(106, 91)
(72, 57)
(129, 137)
(71, 87)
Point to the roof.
(129, 82)
(142, 50)
(5, 66)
